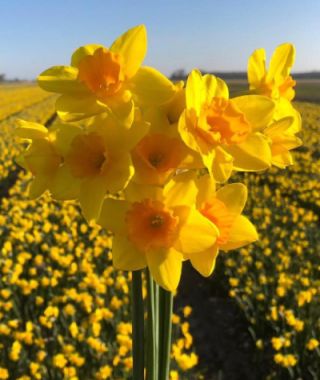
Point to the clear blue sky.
(209, 34)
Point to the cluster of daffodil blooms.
(167, 147)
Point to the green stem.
(137, 326)
(152, 343)
(165, 329)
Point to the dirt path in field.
(221, 337)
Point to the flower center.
(156, 221)
(221, 122)
(151, 225)
(87, 156)
(159, 151)
(101, 73)
(155, 159)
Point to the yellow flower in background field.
(109, 80)
(225, 132)
(276, 82)
(156, 227)
(223, 208)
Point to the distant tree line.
(181, 74)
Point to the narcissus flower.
(161, 152)
(41, 157)
(83, 163)
(276, 82)
(223, 208)
(225, 132)
(157, 228)
(109, 80)
(96, 161)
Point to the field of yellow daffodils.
(64, 309)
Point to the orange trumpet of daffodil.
(223, 208)
(108, 80)
(225, 132)
(157, 228)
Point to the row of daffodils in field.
(148, 160)
(14, 98)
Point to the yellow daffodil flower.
(96, 161)
(109, 80)
(161, 152)
(225, 132)
(41, 157)
(157, 227)
(223, 208)
(276, 82)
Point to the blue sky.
(213, 35)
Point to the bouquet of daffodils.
(149, 159)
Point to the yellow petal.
(63, 80)
(38, 186)
(181, 190)
(116, 135)
(196, 234)
(279, 127)
(165, 267)
(92, 193)
(132, 45)
(242, 233)
(186, 128)
(119, 172)
(149, 87)
(135, 192)
(214, 87)
(209, 87)
(83, 51)
(281, 62)
(113, 214)
(258, 109)
(282, 160)
(252, 155)
(63, 185)
(284, 109)
(123, 112)
(222, 90)
(28, 130)
(125, 256)
(204, 262)
(222, 165)
(206, 189)
(195, 91)
(234, 196)
(70, 108)
(256, 68)
(64, 134)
